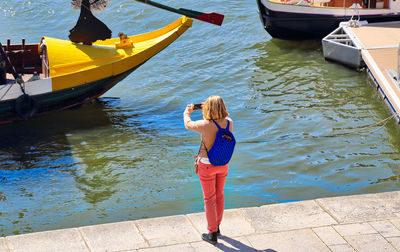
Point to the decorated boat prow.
(56, 74)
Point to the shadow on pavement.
(237, 246)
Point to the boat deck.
(378, 45)
(10, 78)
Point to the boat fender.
(26, 106)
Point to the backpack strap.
(219, 127)
(204, 147)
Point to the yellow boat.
(58, 74)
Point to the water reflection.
(23, 144)
(81, 163)
(42, 143)
(36, 154)
(78, 142)
(310, 118)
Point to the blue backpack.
(222, 150)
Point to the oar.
(210, 17)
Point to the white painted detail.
(355, 6)
(13, 91)
(303, 3)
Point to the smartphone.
(197, 106)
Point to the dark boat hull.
(302, 26)
(63, 99)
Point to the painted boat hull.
(63, 99)
(287, 23)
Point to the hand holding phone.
(197, 106)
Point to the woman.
(212, 178)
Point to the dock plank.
(378, 34)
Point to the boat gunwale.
(147, 35)
(118, 65)
(376, 11)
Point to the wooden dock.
(377, 45)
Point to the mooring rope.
(386, 120)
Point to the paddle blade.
(211, 17)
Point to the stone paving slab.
(171, 248)
(288, 216)
(350, 223)
(202, 246)
(395, 241)
(395, 222)
(167, 230)
(355, 229)
(369, 243)
(298, 240)
(358, 208)
(385, 228)
(392, 200)
(49, 241)
(329, 235)
(113, 237)
(341, 248)
(3, 247)
(234, 223)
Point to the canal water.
(305, 126)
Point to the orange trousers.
(212, 180)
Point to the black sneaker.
(211, 238)
(218, 232)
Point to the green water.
(129, 156)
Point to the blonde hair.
(214, 108)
